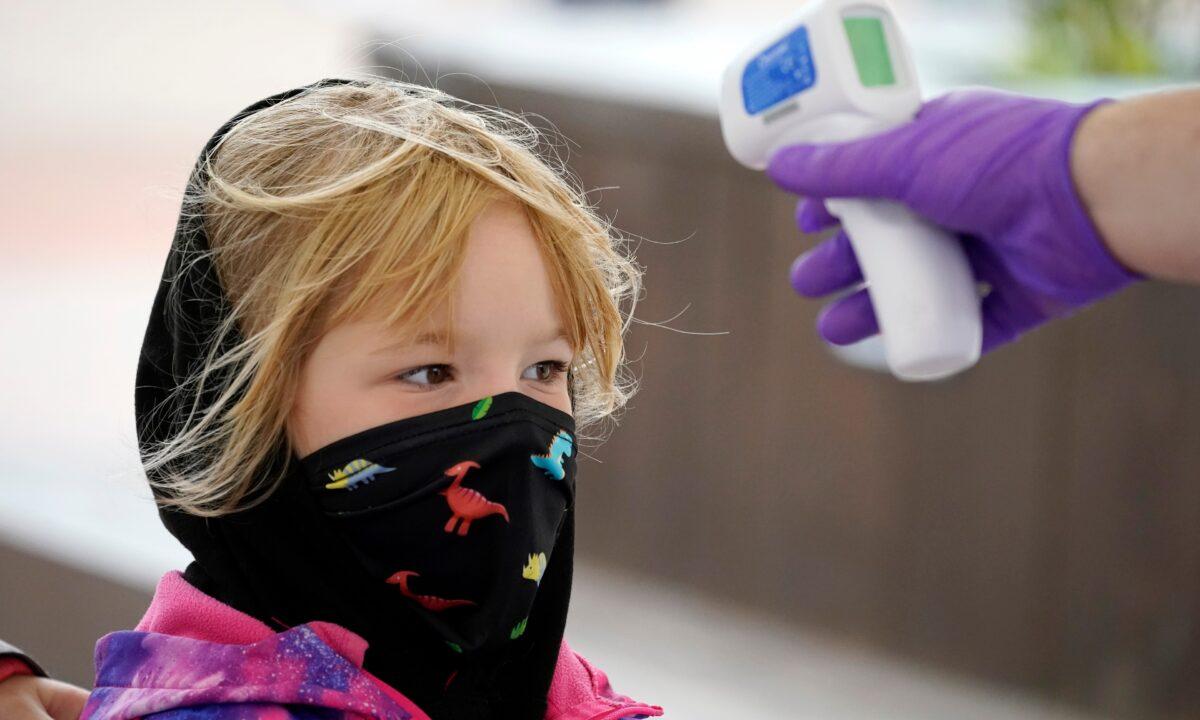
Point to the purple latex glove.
(990, 166)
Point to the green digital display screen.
(871, 56)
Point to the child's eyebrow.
(426, 338)
(558, 334)
(439, 337)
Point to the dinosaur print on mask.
(429, 602)
(467, 504)
(552, 462)
(481, 408)
(355, 473)
(519, 630)
(535, 568)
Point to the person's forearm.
(1137, 167)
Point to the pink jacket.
(194, 656)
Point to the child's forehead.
(498, 284)
(447, 327)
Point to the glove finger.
(997, 328)
(827, 268)
(985, 262)
(1009, 312)
(812, 216)
(1008, 309)
(848, 320)
(872, 167)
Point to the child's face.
(509, 338)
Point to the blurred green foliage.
(1108, 37)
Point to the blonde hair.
(317, 206)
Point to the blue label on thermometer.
(779, 72)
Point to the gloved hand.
(992, 167)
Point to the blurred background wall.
(1028, 530)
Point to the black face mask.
(457, 510)
(293, 558)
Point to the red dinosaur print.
(465, 503)
(429, 602)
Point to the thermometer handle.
(920, 285)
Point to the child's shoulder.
(294, 673)
(582, 690)
(192, 656)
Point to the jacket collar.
(579, 690)
(139, 674)
(180, 609)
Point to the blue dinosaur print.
(355, 473)
(552, 462)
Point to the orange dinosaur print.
(429, 602)
(467, 504)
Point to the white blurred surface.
(669, 55)
(705, 660)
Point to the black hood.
(278, 561)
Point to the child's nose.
(495, 382)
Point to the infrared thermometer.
(840, 70)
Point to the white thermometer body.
(839, 71)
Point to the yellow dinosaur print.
(355, 473)
(535, 568)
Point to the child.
(337, 415)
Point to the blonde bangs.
(409, 238)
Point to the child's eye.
(428, 376)
(433, 375)
(547, 371)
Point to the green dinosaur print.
(481, 408)
(519, 630)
